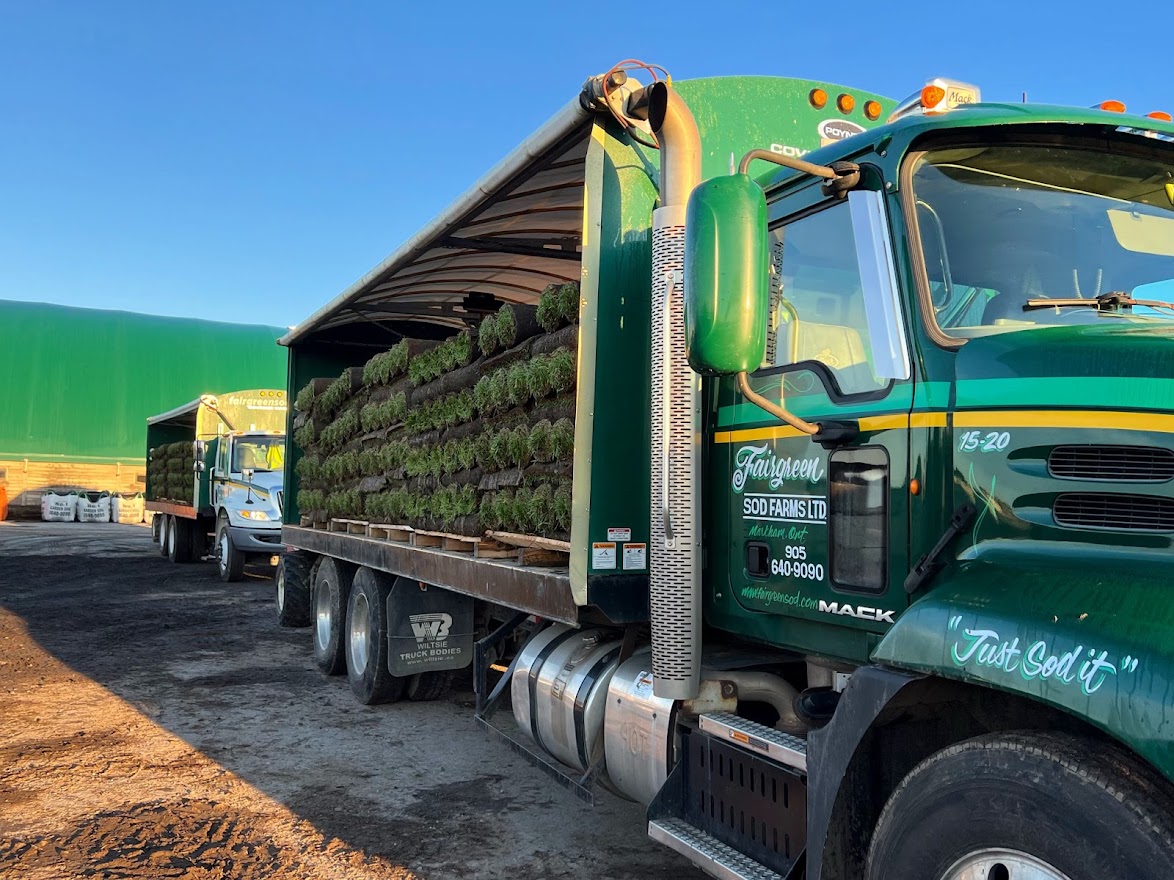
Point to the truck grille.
(280, 500)
(1123, 464)
(1102, 510)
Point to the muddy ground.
(155, 723)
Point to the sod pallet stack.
(460, 437)
(170, 471)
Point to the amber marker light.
(1112, 106)
(846, 103)
(1161, 116)
(818, 98)
(872, 109)
(914, 486)
(931, 96)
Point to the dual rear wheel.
(349, 621)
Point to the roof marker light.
(1112, 106)
(846, 103)
(818, 98)
(1161, 116)
(938, 96)
(872, 109)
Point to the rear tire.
(164, 524)
(156, 522)
(230, 562)
(366, 640)
(424, 687)
(292, 583)
(1045, 806)
(331, 589)
(179, 540)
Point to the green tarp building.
(78, 384)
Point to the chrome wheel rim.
(322, 615)
(170, 537)
(360, 648)
(279, 579)
(1002, 864)
(223, 555)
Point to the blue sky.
(248, 160)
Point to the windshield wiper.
(1106, 302)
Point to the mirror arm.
(777, 411)
(842, 176)
(787, 162)
(794, 322)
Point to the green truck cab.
(994, 512)
(886, 434)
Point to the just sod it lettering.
(1080, 666)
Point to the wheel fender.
(1084, 642)
(830, 749)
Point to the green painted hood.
(1106, 365)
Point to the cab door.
(220, 473)
(813, 536)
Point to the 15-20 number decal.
(977, 441)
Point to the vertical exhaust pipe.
(675, 554)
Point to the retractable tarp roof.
(516, 231)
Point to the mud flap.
(428, 628)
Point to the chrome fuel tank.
(559, 690)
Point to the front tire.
(230, 562)
(292, 583)
(331, 587)
(366, 640)
(1026, 806)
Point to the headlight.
(253, 514)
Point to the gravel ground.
(155, 723)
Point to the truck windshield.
(1003, 224)
(258, 455)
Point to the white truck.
(215, 474)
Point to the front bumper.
(248, 540)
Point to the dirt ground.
(155, 723)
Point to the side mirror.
(727, 282)
(200, 465)
(247, 473)
(200, 449)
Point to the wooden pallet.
(534, 550)
(479, 547)
(389, 532)
(349, 526)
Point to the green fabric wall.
(79, 384)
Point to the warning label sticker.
(619, 534)
(603, 554)
(635, 556)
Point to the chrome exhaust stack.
(675, 551)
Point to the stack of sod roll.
(463, 436)
(171, 472)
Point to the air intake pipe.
(675, 552)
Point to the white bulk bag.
(58, 508)
(93, 507)
(127, 508)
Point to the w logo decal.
(430, 627)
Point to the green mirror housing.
(727, 284)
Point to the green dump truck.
(856, 566)
(215, 471)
